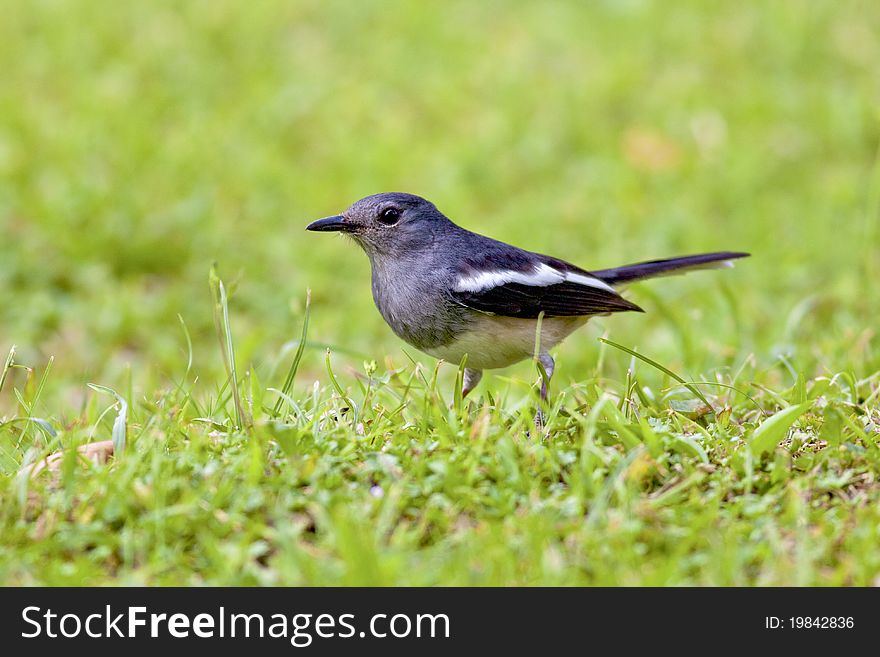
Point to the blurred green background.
(139, 142)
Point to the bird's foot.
(471, 379)
(539, 421)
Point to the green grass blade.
(224, 334)
(727, 387)
(120, 422)
(189, 345)
(774, 429)
(30, 406)
(294, 366)
(10, 359)
(338, 388)
(663, 369)
(458, 397)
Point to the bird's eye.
(389, 216)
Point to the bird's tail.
(670, 266)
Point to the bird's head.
(388, 224)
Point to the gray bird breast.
(417, 306)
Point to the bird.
(451, 293)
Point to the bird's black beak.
(336, 224)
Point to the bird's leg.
(547, 363)
(471, 379)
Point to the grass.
(139, 144)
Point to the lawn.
(140, 143)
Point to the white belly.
(501, 341)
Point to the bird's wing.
(529, 284)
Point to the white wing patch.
(591, 281)
(542, 276)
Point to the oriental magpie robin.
(450, 292)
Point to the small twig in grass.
(99, 452)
